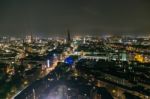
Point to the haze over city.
(48, 17)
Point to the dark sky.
(91, 16)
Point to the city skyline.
(74, 49)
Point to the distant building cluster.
(75, 67)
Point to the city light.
(75, 49)
(48, 63)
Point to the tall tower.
(68, 37)
(84, 40)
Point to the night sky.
(51, 17)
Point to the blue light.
(69, 60)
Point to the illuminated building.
(48, 63)
(139, 58)
(29, 39)
(84, 41)
(69, 60)
(123, 56)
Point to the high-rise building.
(29, 39)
